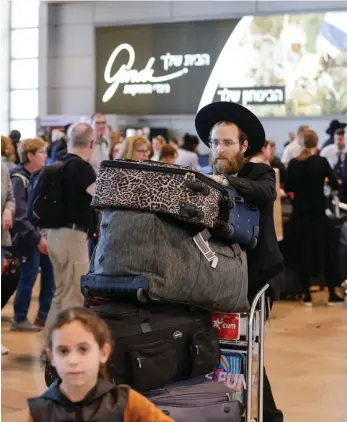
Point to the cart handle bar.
(259, 297)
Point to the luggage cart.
(253, 340)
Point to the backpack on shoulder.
(45, 202)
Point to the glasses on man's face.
(101, 123)
(227, 143)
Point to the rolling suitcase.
(181, 192)
(197, 400)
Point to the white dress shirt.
(293, 150)
(187, 158)
(331, 153)
(101, 152)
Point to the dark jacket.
(104, 403)
(256, 182)
(25, 236)
(59, 150)
(306, 179)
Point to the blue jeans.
(29, 269)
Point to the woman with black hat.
(233, 132)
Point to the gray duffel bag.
(181, 265)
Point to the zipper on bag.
(176, 170)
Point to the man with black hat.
(333, 126)
(233, 133)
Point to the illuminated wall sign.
(285, 65)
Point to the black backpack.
(45, 202)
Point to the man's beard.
(228, 165)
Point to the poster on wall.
(277, 66)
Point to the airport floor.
(306, 350)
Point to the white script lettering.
(126, 74)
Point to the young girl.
(79, 346)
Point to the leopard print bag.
(181, 192)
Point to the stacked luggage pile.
(170, 261)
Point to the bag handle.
(201, 241)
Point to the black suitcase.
(157, 345)
(197, 400)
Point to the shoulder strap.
(24, 179)
(121, 396)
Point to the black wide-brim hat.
(334, 125)
(223, 111)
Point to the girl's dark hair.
(190, 142)
(91, 322)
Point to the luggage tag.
(204, 247)
(227, 325)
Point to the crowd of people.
(303, 172)
(62, 254)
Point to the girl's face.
(77, 356)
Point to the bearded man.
(233, 133)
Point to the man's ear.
(244, 146)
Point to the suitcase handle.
(238, 200)
(197, 187)
(190, 211)
(230, 202)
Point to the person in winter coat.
(233, 133)
(29, 243)
(79, 346)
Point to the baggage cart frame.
(258, 300)
(255, 333)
